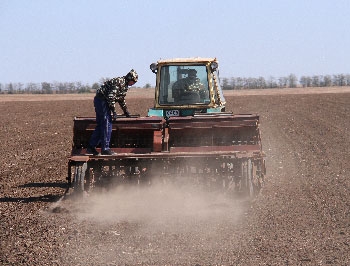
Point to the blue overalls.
(103, 131)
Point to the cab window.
(183, 85)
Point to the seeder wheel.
(79, 177)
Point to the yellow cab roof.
(187, 60)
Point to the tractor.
(187, 136)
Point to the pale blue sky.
(66, 40)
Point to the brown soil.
(301, 217)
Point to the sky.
(85, 41)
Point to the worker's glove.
(114, 115)
(127, 114)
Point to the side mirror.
(154, 67)
(213, 66)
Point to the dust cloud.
(161, 206)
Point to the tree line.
(233, 83)
(51, 88)
(47, 88)
(291, 81)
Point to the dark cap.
(132, 76)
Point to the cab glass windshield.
(182, 85)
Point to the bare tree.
(262, 83)
(10, 89)
(327, 81)
(316, 81)
(95, 86)
(46, 88)
(272, 82)
(239, 82)
(282, 82)
(225, 84)
(347, 79)
(31, 87)
(292, 81)
(233, 83)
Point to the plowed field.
(301, 217)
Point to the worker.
(112, 91)
(191, 83)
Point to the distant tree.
(347, 80)
(305, 81)
(71, 87)
(95, 86)
(10, 89)
(262, 83)
(239, 83)
(17, 87)
(232, 83)
(84, 89)
(147, 86)
(327, 81)
(321, 78)
(316, 81)
(78, 86)
(250, 83)
(272, 82)
(224, 84)
(282, 82)
(61, 88)
(292, 81)
(46, 88)
(31, 87)
(339, 80)
(342, 80)
(54, 86)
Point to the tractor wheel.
(79, 177)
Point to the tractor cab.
(186, 86)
